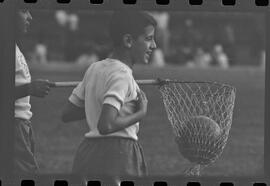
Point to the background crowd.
(191, 39)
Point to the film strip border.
(159, 2)
(208, 3)
(261, 6)
(138, 182)
(234, 5)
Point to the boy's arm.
(37, 88)
(72, 112)
(21, 91)
(110, 121)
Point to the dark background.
(242, 35)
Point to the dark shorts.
(24, 159)
(109, 157)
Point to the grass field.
(243, 155)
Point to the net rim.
(170, 81)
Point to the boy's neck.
(122, 55)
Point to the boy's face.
(23, 20)
(143, 46)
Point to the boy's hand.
(39, 88)
(142, 102)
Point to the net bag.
(201, 116)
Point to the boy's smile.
(144, 45)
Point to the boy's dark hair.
(129, 22)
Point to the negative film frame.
(7, 10)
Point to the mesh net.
(201, 116)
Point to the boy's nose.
(153, 45)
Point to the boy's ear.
(128, 40)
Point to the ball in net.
(198, 140)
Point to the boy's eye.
(149, 38)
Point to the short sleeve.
(117, 88)
(77, 96)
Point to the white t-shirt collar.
(117, 60)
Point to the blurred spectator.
(219, 57)
(62, 17)
(65, 19)
(68, 34)
(188, 36)
(73, 22)
(69, 23)
(157, 59)
(188, 52)
(72, 50)
(190, 42)
(201, 59)
(228, 41)
(40, 54)
(229, 34)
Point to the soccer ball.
(202, 125)
(199, 140)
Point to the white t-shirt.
(22, 76)
(108, 81)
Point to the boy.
(112, 103)
(24, 160)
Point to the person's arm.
(38, 88)
(110, 121)
(72, 112)
(21, 91)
